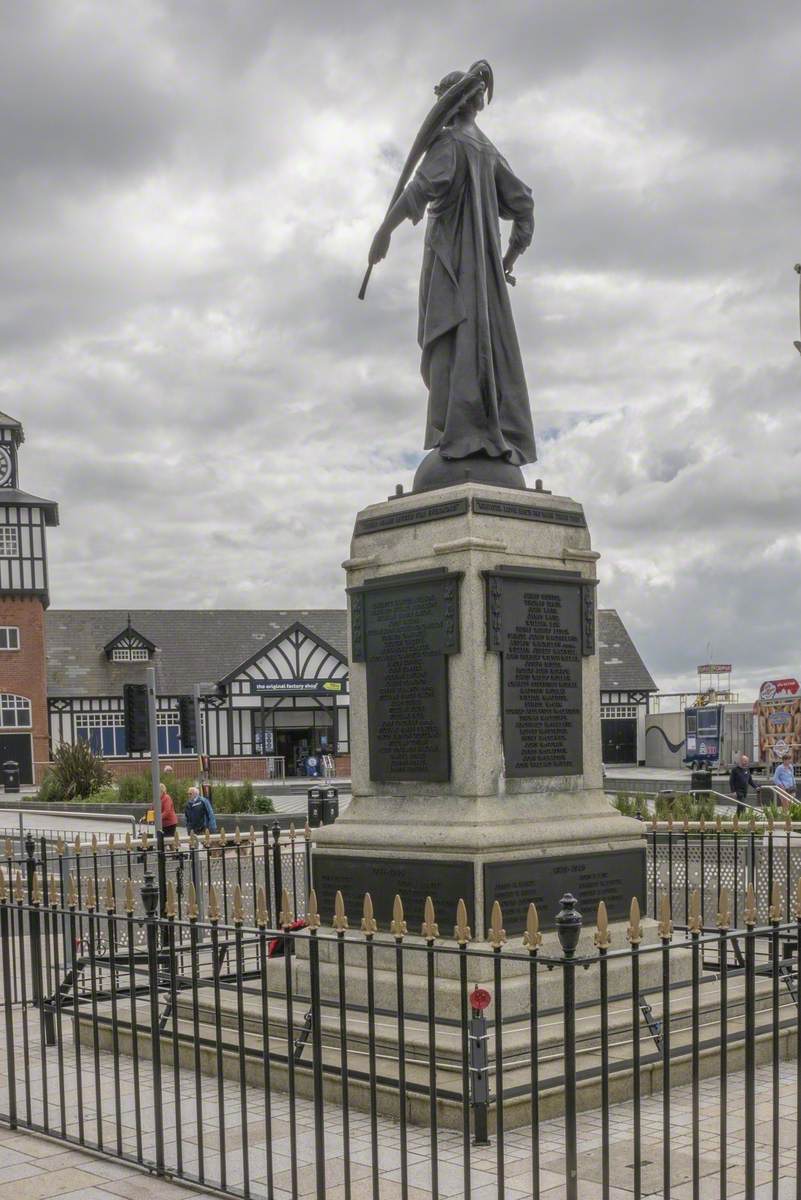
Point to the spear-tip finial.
(497, 933)
(340, 921)
(602, 938)
(634, 931)
(532, 938)
(430, 928)
(397, 926)
(312, 914)
(369, 925)
(461, 930)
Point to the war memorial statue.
(479, 420)
(475, 725)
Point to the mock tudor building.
(626, 690)
(273, 683)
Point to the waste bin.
(11, 775)
(315, 801)
(701, 781)
(330, 805)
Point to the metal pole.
(202, 748)
(155, 782)
(155, 778)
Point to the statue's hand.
(509, 260)
(380, 246)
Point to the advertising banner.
(778, 714)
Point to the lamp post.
(798, 273)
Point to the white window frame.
(130, 654)
(16, 705)
(98, 720)
(614, 712)
(9, 634)
(9, 541)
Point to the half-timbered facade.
(273, 683)
(626, 689)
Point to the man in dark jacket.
(740, 780)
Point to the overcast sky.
(189, 190)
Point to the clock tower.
(24, 519)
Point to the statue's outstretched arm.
(396, 216)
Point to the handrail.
(727, 799)
(784, 796)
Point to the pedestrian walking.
(740, 780)
(169, 817)
(199, 814)
(784, 775)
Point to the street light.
(798, 273)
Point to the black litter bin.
(701, 781)
(11, 775)
(330, 805)
(315, 798)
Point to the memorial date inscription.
(403, 628)
(536, 622)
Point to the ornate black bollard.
(568, 929)
(150, 900)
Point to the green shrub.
(229, 799)
(77, 771)
(49, 790)
(134, 790)
(681, 804)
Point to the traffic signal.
(186, 715)
(137, 722)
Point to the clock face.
(5, 466)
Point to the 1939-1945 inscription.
(614, 876)
(403, 627)
(537, 620)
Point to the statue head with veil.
(479, 419)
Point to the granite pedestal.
(475, 723)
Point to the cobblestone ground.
(31, 1167)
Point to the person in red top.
(169, 820)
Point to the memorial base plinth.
(475, 717)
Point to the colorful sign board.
(714, 669)
(778, 689)
(778, 716)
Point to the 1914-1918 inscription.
(413, 879)
(535, 621)
(614, 876)
(403, 628)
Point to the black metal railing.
(242, 1053)
(707, 856)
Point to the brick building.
(24, 725)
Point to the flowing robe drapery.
(478, 400)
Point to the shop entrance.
(619, 739)
(295, 745)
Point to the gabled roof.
(16, 497)
(296, 627)
(125, 637)
(14, 425)
(207, 645)
(622, 669)
(193, 645)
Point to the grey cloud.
(189, 194)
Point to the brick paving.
(32, 1167)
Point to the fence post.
(278, 886)
(150, 900)
(35, 930)
(5, 925)
(568, 929)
